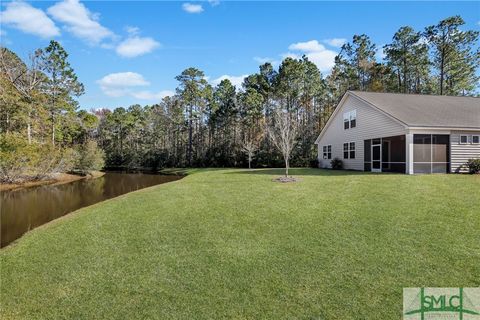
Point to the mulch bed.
(286, 179)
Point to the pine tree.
(454, 56)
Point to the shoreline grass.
(233, 244)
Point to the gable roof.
(417, 110)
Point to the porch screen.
(392, 156)
(431, 153)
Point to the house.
(407, 133)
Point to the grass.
(234, 244)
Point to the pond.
(25, 209)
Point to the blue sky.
(128, 52)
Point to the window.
(349, 150)
(350, 119)
(327, 152)
(352, 150)
(353, 119)
(346, 120)
(476, 139)
(463, 139)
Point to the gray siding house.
(408, 133)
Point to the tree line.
(42, 132)
(204, 125)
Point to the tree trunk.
(29, 132)
(53, 131)
(29, 125)
(190, 135)
(286, 167)
(442, 66)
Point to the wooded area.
(42, 130)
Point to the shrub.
(314, 163)
(473, 165)
(16, 157)
(89, 157)
(21, 161)
(336, 164)
(49, 160)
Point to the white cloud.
(119, 84)
(263, 60)
(136, 46)
(192, 8)
(123, 84)
(235, 80)
(315, 52)
(290, 55)
(214, 3)
(132, 30)
(335, 42)
(80, 21)
(22, 16)
(309, 46)
(148, 95)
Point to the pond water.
(25, 209)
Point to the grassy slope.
(233, 244)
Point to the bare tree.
(283, 132)
(249, 148)
(26, 79)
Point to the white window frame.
(353, 116)
(478, 137)
(348, 117)
(348, 150)
(463, 135)
(327, 155)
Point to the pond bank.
(59, 178)
(27, 208)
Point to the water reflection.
(23, 210)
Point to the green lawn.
(234, 244)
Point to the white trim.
(371, 156)
(325, 153)
(429, 131)
(445, 128)
(349, 150)
(460, 140)
(409, 153)
(348, 117)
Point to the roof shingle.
(417, 110)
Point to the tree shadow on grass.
(301, 172)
